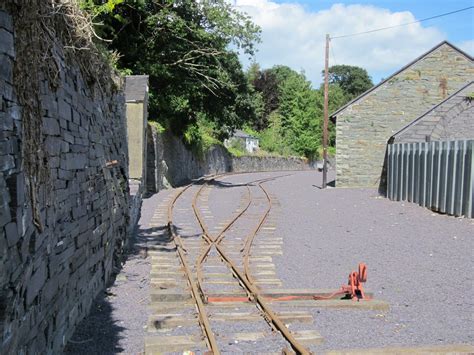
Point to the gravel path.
(118, 315)
(419, 261)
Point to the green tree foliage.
(295, 123)
(184, 46)
(301, 120)
(268, 83)
(352, 80)
(337, 99)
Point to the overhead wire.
(403, 24)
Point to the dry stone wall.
(59, 240)
(170, 163)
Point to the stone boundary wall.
(60, 239)
(256, 163)
(170, 163)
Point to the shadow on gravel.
(331, 183)
(223, 184)
(100, 332)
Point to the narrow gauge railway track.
(244, 278)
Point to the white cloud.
(294, 36)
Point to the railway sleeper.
(172, 320)
(176, 343)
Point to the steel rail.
(251, 289)
(218, 239)
(202, 314)
(249, 239)
(221, 234)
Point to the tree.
(337, 99)
(183, 45)
(268, 83)
(352, 80)
(301, 117)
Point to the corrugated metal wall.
(438, 175)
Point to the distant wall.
(64, 207)
(257, 163)
(170, 163)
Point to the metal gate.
(438, 175)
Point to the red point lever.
(354, 288)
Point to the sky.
(293, 32)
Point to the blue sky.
(293, 32)
(458, 27)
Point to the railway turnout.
(214, 284)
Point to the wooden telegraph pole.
(326, 102)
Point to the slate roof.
(334, 115)
(136, 88)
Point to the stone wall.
(170, 163)
(61, 231)
(364, 127)
(453, 119)
(258, 163)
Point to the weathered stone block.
(50, 290)
(6, 21)
(73, 161)
(6, 147)
(6, 43)
(11, 232)
(5, 216)
(6, 121)
(6, 68)
(7, 162)
(36, 282)
(69, 138)
(51, 126)
(65, 174)
(65, 110)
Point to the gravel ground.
(419, 261)
(111, 326)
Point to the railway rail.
(245, 278)
(223, 287)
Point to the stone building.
(246, 141)
(364, 125)
(452, 119)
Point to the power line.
(404, 24)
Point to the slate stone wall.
(170, 163)
(53, 265)
(364, 128)
(451, 120)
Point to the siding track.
(220, 291)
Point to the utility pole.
(326, 109)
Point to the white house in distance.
(250, 143)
